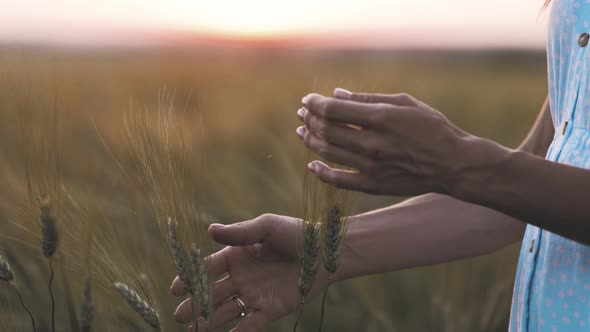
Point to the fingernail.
(305, 99)
(301, 131)
(311, 167)
(301, 112)
(342, 93)
(216, 225)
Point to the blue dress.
(552, 286)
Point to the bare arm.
(435, 228)
(550, 195)
(407, 148)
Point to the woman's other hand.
(396, 144)
(261, 267)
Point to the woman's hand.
(397, 144)
(262, 268)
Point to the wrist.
(361, 252)
(480, 163)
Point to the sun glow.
(265, 18)
(372, 22)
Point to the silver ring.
(241, 305)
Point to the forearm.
(550, 195)
(425, 230)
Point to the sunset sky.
(365, 23)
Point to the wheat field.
(65, 119)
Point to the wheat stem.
(323, 308)
(51, 294)
(22, 302)
(299, 315)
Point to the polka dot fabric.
(552, 286)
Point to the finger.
(217, 265)
(177, 289)
(342, 110)
(335, 153)
(222, 290)
(243, 233)
(346, 137)
(340, 178)
(301, 113)
(223, 314)
(400, 99)
(185, 312)
(251, 323)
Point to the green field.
(62, 132)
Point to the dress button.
(583, 41)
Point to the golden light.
(372, 22)
(263, 18)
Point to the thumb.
(240, 234)
(401, 99)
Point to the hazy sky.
(380, 23)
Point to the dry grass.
(59, 111)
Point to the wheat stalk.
(333, 232)
(201, 283)
(5, 269)
(86, 307)
(49, 227)
(308, 260)
(50, 239)
(7, 275)
(142, 308)
(309, 268)
(180, 257)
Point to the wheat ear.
(86, 307)
(179, 255)
(333, 231)
(49, 243)
(201, 283)
(5, 269)
(309, 267)
(7, 275)
(142, 308)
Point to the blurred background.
(234, 72)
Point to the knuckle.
(381, 113)
(361, 97)
(321, 127)
(406, 98)
(323, 150)
(324, 106)
(327, 176)
(308, 140)
(307, 118)
(268, 222)
(266, 217)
